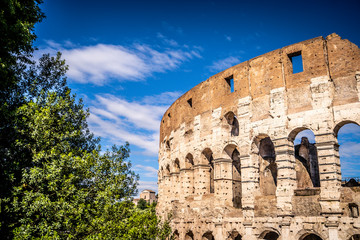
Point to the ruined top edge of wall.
(255, 79)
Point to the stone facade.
(228, 168)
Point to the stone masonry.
(228, 167)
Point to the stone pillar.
(330, 173)
(249, 233)
(286, 175)
(223, 180)
(285, 228)
(187, 178)
(167, 188)
(250, 183)
(332, 224)
(357, 77)
(202, 179)
(175, 186)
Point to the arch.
(167, 170)
(207, 158)
(189, 235)
(355, 237)
(189, 161)
(208, 236)
(306, 158)
(310, 236)
(348, 139)
(233, 122)
(231, 151)
(234, 235)
(176, 166)
(272, 234)
(176, 235)
(265, 151)
(341, 124)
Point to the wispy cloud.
(103, 62)
(228, 38)
(137, 122)
(148, 171)
(152, 185)
(223, 64)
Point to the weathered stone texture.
(228, 165)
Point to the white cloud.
(223, 64)
(151, 185)
(350, 149)
(148, 170)
(99, 63)
(137, 122)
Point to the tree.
(55, 181)
(142, 204)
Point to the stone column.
(286, 175)
(175, 186)
(223, 180)
(332, 224)
(285, 228)
(250, 184)
(202, 179)
(330, 173)
(167, 188)
(249, 233)
(187, 178)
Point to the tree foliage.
(56, 183)
(142, 204)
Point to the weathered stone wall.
(214, 176)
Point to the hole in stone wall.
(312, 237)
(230, 82)
(348, 137)
(355, 237)
(271, 236)
(169, 115)
(189, 236)
(189, 101)
(232, 120)
(296, 61)
(354, 210)
(307, 171)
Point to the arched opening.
(311, 237)
(208, 156)
(234, 235)
(267, 164)
(176, 235)
(176, 166)
(234, 154)
(167, 171)
(307, 166)
(233, 122)
(189, 235)
(348, 136)
(208, 236)
(269, 235)
(355, 237)
(189, 161)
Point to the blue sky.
(129, 60)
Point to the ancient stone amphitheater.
(228, 165)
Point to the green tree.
(55, 181)
(142, 204)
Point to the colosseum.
(228, 164)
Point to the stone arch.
(270, 234)
(189, 235)
(306, 158)
(310, 236)
(265, 150)
(207, 159)
(234, 235)
(346, 138)
(233, 122)
(207, 236)
(341, 124)
(167, 170)
(355, 237)
(231, 151)
(189, 161)
(176, 166)
(176, 235)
